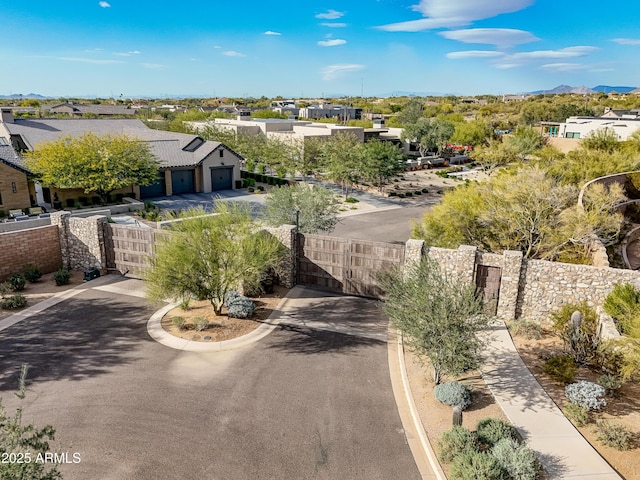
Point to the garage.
(183, 181)
(156, 189)
(221, 178)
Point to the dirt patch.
(436, 417)
(623, 409)
(220, 327)
(41, 290)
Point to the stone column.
(61, 219)
(509, 284)
(287, 236)
(86, 243)
(466, 263)
(413, 251)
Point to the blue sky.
(302, 48)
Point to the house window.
(0, 198)
(221, 153)
(573, 135)
(14, 189)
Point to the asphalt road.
(381, 226)
(303, 403)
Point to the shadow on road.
(311, 341)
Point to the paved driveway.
(305, 402)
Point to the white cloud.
(562, 67)
(474, 54)
(330, 15)
(233, 53)
(331, 72)
(104, 4)
(89, 60)
(334, 24)
(501, 37)
(269, 32)
(127, 54)
(455, 13)
(332, 43)
(217, 46)
(627, 41)
(568, 52)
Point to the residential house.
(103, 111)
(186, 163)
(16, 189)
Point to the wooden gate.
(488, 282)
(344, 265)
(128, 249)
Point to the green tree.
(343, 159)
(440, 317)
(525, 141)
(316, 208)
(430, 135)
(602, 140)
(19, 438)
(412, 112)
(471, 133)
(383, 160)
(99, 164)
(208, 255)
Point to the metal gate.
(488, 282)
(343, 265)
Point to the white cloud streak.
(270, 32)
(104, 4)
(474, 54)
(627, 41)
(334, 24)
(128, 54)
(154, 66)
(501, 37)
(330, 15)
(89, 60)
(455, 13)
(233, 53)
(332, 43)
(331, 72)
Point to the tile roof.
(166, 146)
(10, 157)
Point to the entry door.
(488, 281)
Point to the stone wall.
(81, 241)
(39, 246)
(287, 236)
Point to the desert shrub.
(14, 302)
(32, 273)
(491, 430)
(185, 304)
(178, 322)
(401, 195)
(613, 435)
(609, 358)
(229, 297)
(17, 282)
(577, 414)
(393, 194)
(562, 368)
(582, 340)
(241, 307)
(623, 304)
(455, 442)
(408, 194)
(454, 394)
(425, 190)
(526, 328)
(418, 192)
(61, 277)
(518, 460)
(586, 394)
(351, 200)
(611, 383)
(477, 466)
(200, 323)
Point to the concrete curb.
(419, 443)
(160, 335)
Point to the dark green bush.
(61, 277)
(491, 430)
(401, 195)
(477, 466)
(408, 194)
(519, 461)
(424, 190)
(392, 194)
(611, 383)
(32, 273)
(454, 394)
(17, 282)
(351, 200)
(583, 342)
(562, 368)
(613, 435)
(455, 442)
(418, 192)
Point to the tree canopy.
(205, 256)
(99, 164)
(431, 135)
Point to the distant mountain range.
(18, 96)
(584, 90)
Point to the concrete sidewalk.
(561, 448)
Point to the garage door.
(221, 178)
(156, 189)
(182, 181)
